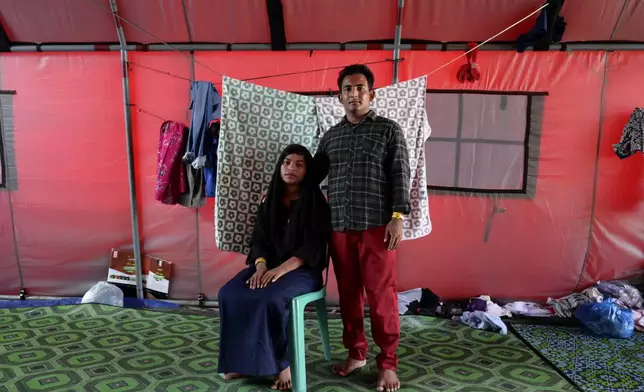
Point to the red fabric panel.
(218, 267)
(71, 205)
(164, 19)
(167, 232)
(591, 20)
(339, 20)
(617, 243)
(630, 26)
(57, 21)
(239, 21)
(9, 278)
(537, 247)
(459, 20)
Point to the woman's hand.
(255, 280)
(271, 276)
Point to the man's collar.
(371, 115)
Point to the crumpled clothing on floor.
(638, 319)
(483, 320)
(485, 304)
(529, 309)
(625, 294)
(565, 306)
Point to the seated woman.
(288, 255)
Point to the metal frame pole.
(397, 40)
(424, 47)
(134, 215)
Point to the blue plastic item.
(131, 303)
(606, 319)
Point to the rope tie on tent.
(469, 71)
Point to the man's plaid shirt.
(369, 172)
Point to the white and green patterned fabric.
(404, 103)
(257, 123)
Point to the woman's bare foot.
(347, 367)
(232, 376)
(387, 381)
(283, 380)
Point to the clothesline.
(315, 70)
(139, 110)
(159, 71)
(98, 3)
(259, 77)
(488, 40)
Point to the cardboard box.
(158, 275)
(155, 272)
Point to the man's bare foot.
(283, 380)
(387, 381)
(232, 376)
(347, 367)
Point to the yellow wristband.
(397, 215)
(260, 260)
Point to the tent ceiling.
(311, 21)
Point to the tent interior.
(540, 209)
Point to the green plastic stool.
(296, 333)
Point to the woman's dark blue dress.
(254, 323)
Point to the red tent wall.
(71, 202)
(617, 241)
(537, 247)
(71, 205)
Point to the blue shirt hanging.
(206, 106)
(210, 171)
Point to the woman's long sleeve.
(260, 242)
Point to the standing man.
(368, 192)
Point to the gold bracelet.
(260, 260)
(397, 215)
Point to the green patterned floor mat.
(102, 348)
(593, 363)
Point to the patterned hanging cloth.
(257, 123)
(632, 139)
(405, 104)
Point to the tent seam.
(596, 175)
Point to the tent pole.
(420, 47)
(397, 40)
(129, 145)
(188, 118)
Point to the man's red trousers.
(362, 262)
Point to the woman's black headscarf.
(309, 229)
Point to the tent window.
(7, 166)
(481, 142)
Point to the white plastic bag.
(103, 293)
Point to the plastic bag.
(606, 319)
(104, 293)
(624, 293)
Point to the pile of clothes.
(479, 312)
(609, 308)
(617, 300)
(187, 157)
